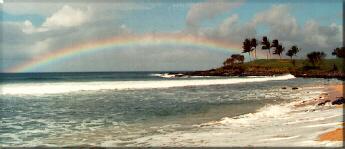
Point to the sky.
(32, 30)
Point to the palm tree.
(279, 50)
(266, 45)
(247, 48)
(316, 57)
(277, 47)
(253, 44)
(292, 51)
(275, 43)
(290, 54)
(339, 52)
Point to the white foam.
(155, 74)
(270, 111)
(166, 75)
(270, 126)
(63, 87)
(280, 138)
(322, 125)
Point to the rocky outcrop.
(239, 70)
(338, 101)
(323, 102)
(270, 68)
(319, 74)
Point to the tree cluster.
(339, 52)
(250, 45)
(316, 57)
(234, 59)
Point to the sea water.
(91, 109)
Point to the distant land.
(328, 68)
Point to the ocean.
(120, 108)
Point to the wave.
(64, 87)
(167, 75)
(271, 125)
(155, 75)
(269, 111)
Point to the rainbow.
(120, 42)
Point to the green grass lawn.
(326, 64)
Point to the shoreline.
(293, 124)
(338, 133)
(207, 73)
(332, 93)
(274, 124)
(331, 68)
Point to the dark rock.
(339, 101)
(323, 103)
(295, 88)
(284, 88)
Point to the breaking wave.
(64, 87)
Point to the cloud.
(233, 31)
(67, 16)
(280, 24)
(310, 37)
(30, 46)
(207, 10)
(40, 46)
(228, 23)
(73, 23)
(322, 36)
(16, 44)
(23, 41)
(61, 15)
(46, 8)
(29, 7)
(28, 27)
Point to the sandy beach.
(332, 92)
(298, 123)
(335, 135)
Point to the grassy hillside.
(263, 67)
(326, 65)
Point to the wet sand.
(300, 123)
(332, 93)
(337, 134)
